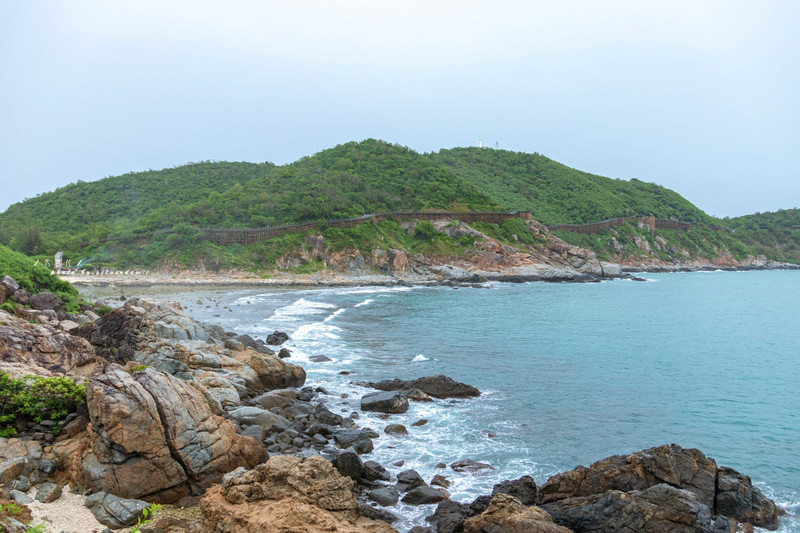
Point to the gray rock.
(422, 496)
(256, 431)
(326, 416)
(440, 481)
(21, 484)
(385, 402)
(47, 301)
(468, 465)
(255, 415)
(524, 489)
(437, 386)
(113, 511)
(277, 338)
(355, 438)
(10, 284)
(737, 498)
(376, 514)
(661, 508)
(373, 471)
(395, 429)
(48, 492)
(19, 497)
(11, 469)
(349, 464)
(320, 359)
(9, 525)
(408, 480)
(384, 496)
(284, 353)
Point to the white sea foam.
(420, 357)
(316, 331)
(334, 314)
(299, 308)
(365, 302)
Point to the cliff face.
(473, 256)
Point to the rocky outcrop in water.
(659, 490)
(286, 494)
(721, 490)
(437, 386)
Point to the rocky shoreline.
(185, 413)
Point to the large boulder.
(508, 515)
(737, 498)
(722, 490)
(523, 489)
(153, 436)
(436, 386)
(658, 509)
(27, 348)
(113, 511)
(47, 301)
(384, 402)
(687, 469)
(286, 494)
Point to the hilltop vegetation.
(557, 194)
(154, 217)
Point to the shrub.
(38, 398)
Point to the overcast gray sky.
(701, 97)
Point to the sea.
(570, 373)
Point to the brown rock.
(683, 468)
(27, 348)
(507, 515)
(286, 494)
(152, 434)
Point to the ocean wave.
(316, 331)
(300, 308)
(334, 314)
(420, 357)
(365, 302)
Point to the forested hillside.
(557, 194)
(154, 217)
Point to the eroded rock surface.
(508, 515)
(286, 494)
(436, 386)
(42, 350)
(154, 436)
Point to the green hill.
(557, 194)
(153, 218)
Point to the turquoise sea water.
(571, 373)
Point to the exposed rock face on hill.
(286, 494)
(485, 260)
(42, 350)
(153, 436)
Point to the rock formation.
(286, 494)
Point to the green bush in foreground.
(37, 398)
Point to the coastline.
(203, 280)
(336, 396)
